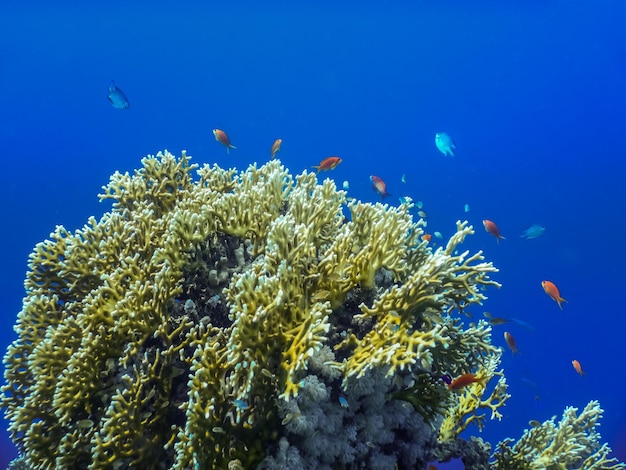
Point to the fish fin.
(560, 302)
(231, 146)
(317, 168)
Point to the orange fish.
(276, 147)
(493, 229)
(432, 467)
(223, 139)
(510, 342)
(329, 163)
(427, 237)
(553, 291)
(379, 186)
(578, 368)
(464, 380)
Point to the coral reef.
(470, 399)
(252, 319)
(572, 443)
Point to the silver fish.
(117, 98)
(444, 143)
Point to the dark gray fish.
(117, 97)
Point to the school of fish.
(446, 145)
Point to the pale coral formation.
(573, 442)
(223, 319)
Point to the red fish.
(553, 291)
(379, 186)
(578, 368)
(510, 342)
(464, 380)
(329, 163)
(493, 229)
(276, 147)
(223, 139)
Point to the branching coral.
(195, 322)
(467, 403)
(573, 442)
(408, 325)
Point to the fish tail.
(317, 168)
(231, 146)
(560, 302)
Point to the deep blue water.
(533, 92)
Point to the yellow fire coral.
(467, 404)
(573, 442)
(409, 328)
(168, 332)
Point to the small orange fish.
(379, 186)
(510, 342)
(553, 291)
(464, 380)
(427, 237)
(223, 139)
(432, 467)
(276, 147)
(578, 368)
(329, 163)
(493, 229)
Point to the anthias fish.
(223, 139)
(329, 163)
(379, 186)
(553, 292)
(276, 147)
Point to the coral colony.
(223, 320)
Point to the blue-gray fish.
(117, 97)
(534, 231)
(444, 143)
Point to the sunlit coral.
(573, 442)
(212, 315)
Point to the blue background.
(533, 92)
